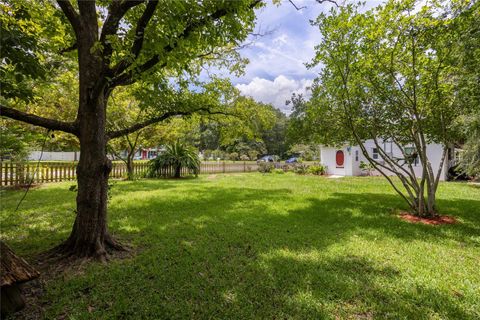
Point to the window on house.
(356, 155)
(374, 153)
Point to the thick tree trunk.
(89, 236)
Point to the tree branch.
(52, 124)
(71, 48)
(116, 11)
(139, 35)
(128, 77)
(72, 15)
(165, 116)
(331, 1)
(295, 6)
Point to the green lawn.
(261, 246)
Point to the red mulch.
(430, 221)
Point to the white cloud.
(275, 92)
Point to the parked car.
(266, 159)
(292, 160)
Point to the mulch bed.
(430, 221)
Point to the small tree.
(470, 158)
(176, 156)
(367, 167)
(387, 77)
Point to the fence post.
(244, 166)
(20, 173)
(27, 175)
(11, 173)
(223, 165)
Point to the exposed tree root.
(60, 262)
(73, 252)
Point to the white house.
(54, 156)
(345, 161)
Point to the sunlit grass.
(261, 246)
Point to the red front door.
(339, 158)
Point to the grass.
(261, 246)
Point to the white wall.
(328, 156)
(357, 156)
(54, 156)
(352, 167)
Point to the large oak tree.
(116, 43)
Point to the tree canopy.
(388, 75)
(159, 46)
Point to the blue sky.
(276, 68)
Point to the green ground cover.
(245, 246)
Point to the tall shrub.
(176, 156)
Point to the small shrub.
(233, 156)
(278, 171)
(300, 168)
(176, 156)
(244, 157)
(286, 168)
(317, 169)
(366, 167)
(265, 167)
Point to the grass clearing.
(260, 246)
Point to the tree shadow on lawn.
(244, 253)
(258, 212)
(351, 287)
(372, 211)
(46, 215)
(218, 252)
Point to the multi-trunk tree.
(118, 43)
(387, 76)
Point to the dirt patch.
(430, 221)
(211, 177)
(51, 269)
(474, 184)
(21, 186)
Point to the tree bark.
(177, 171)
(89, 236)
(12, 300)
(13, 271)
(130, 174)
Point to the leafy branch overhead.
(137, 41)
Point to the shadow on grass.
(224, 252)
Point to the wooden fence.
(16, 174)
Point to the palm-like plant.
(176, 156)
